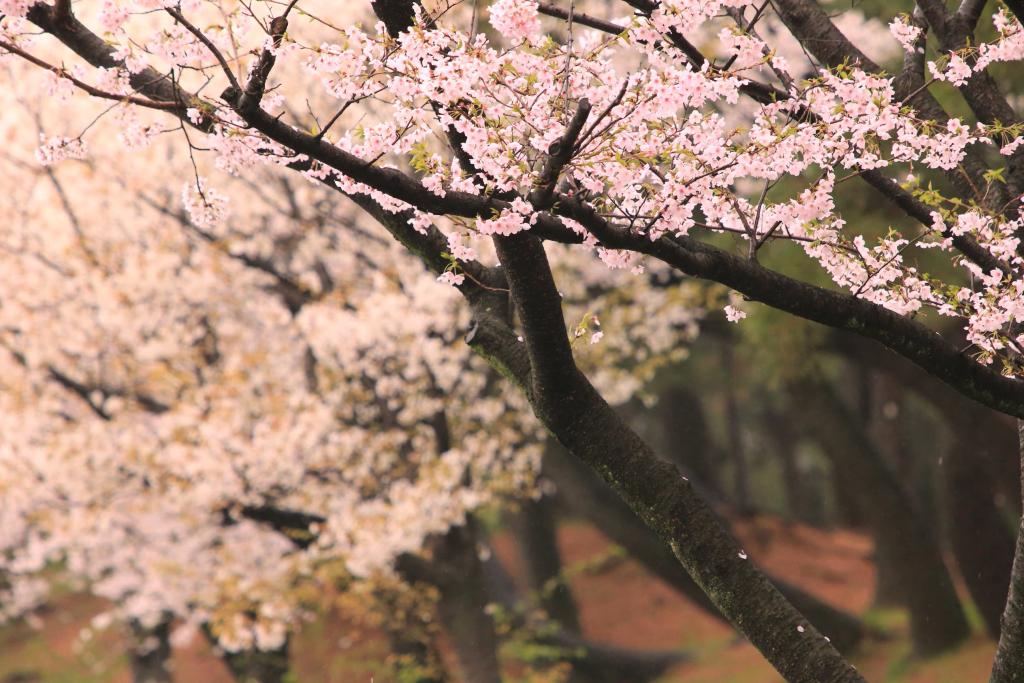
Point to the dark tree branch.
(966, 244)
(1008, 666)
(580, 418)
(812, 27)
(97, 52)
(172, 107)
(585, 494)
(207, 43)
(580, 18)
(903, 335)
(559, 154)
(257, 85)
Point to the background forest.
(160, 330)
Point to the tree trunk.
(980, 475)
(684, 437)
(151, 653)
(1008, 666)
(463, 607)
(937, 620)
(981, 538)
(254, 666)
(879, 409)
(585, 494)
(536, 532)
(454, 568)
(591, 662)
(734, 430)
(569, 405)
(803, 483)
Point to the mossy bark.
(1008, 666)
(592, 431)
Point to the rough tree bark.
(1008, 666)
(584, 422)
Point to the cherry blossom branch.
(85, 87)
(967, 245)
(903, 335)
(956, 32)
(580, 418)
(1017, 7)
(759, 92)
(254, 89)
(202, 38)
(97, 52)
(559, 154)
(808, 22)
(814, 29)
(580, 18)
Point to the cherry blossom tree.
(668, 140)
(243, 493)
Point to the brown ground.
(619, 603)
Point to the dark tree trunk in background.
(937, 620)
(981, 538)
(585, 494)
(534, 527)
(684, 437)
(980, 475)
(253, 666)
(1008, 666)
(734, 432)
(455, 569)
(847, 508)
(793, 483)
(151, 653)
(463, 606)
(803, 483)
(591, 662)
(888, 590)
(879, 411)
